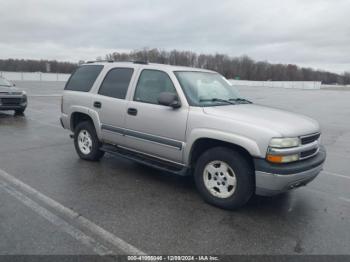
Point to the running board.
(146, 160)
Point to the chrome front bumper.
(273, 179)
(268, 184)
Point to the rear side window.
(83, 78)
(116, 83)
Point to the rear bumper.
(272, 179)
(64, 120)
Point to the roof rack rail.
(112, 61)
(140, 62)
(97, 61)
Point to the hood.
(6, 89)
(286, 123)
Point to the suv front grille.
(11, 101)
(306, 141)
(309, 139)
(308, 153)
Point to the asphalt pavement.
(51, 202)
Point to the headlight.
(284, 142)
(24, 97)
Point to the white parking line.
(51, 95)
(345, 199)
(63, 225)
(327, 194)
(337, 154)
(93, 229)
(335, 174)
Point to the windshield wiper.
(241, 100)
(217, 100)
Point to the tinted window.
(83, 78)
(151, 83)
(116, 83)
(4, 82)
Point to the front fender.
(248, 144)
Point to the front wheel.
(224, 178)
(86, 142)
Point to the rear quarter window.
(116, 83)
(83, 78)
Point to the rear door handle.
(97, 104)
(132, 111)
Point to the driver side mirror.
(169, 99)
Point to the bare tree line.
(242, 67)
(21, 65)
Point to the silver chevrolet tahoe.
(190, 121)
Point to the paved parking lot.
(54, 203)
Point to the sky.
(309, 33)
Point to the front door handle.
(97, 104)
(132, 111)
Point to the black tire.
(243, 171)
(95, 153)
(20, 111)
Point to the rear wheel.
(224, 178)
(86, 142)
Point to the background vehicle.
(190, 122)
(12, 98)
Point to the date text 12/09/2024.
(173, 258)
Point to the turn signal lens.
(282, 159)
(274, 159)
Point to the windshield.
(206, 89)
(4, 82)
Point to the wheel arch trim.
(248, 144)
(88, 112)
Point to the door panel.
(156, 130)
(112, 119)
(111, 104)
